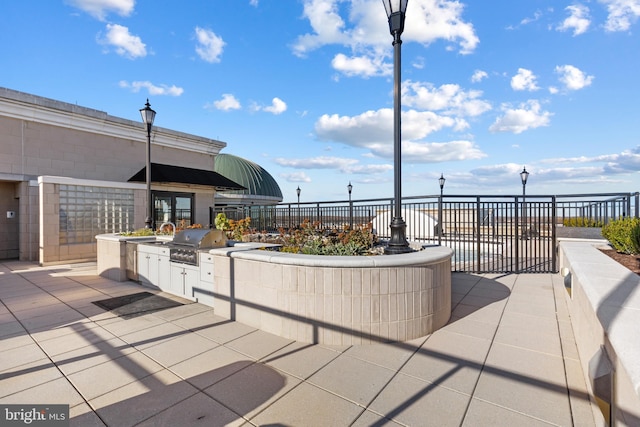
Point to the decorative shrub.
(221, 222)
(239, 228)
(624, 235)
(582, 222)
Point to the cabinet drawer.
(206, 272)
(205, 257)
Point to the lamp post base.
(398, 243)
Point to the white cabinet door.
(143, 265)
(164, 272)
(177, 279)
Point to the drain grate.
(129, 306)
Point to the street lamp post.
(524, 175)
(298, 190)
(440, 221)
(148, 115)
(349, 188)
(396, 13)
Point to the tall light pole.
(350, 188)
(298, 190)
(524, 175)
(440, 221)
(398, 243)
(148, 115)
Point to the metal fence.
(487, 233)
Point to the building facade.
(68, 173)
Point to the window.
(173, 207)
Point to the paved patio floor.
(506, 358)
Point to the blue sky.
(305, 87)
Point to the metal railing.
(487, 233)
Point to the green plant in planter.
(310, 239)
(624, 235)
(140, 232)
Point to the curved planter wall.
(334, 300)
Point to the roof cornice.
(23, 106)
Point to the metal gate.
(501, 236)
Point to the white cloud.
(295, 177)
(622, 13)
(151, 88)
(253, 3)
(366, 32)
(364, 66)
(278, 106)
(524, 80)
(431, 20)
(125, 44)
(228, 102)
(342, 164)
(374, 129)
(448, 98)
(573, 78)
(536, 16)
(578, 19)
(529, 115)
(478, 76)
(209, 46)
(100, 8)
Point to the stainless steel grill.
(186, 244)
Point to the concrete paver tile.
(391, 356)
(11, 328)
(449, 360)
(53, 320)
(174, 313)
(468, 326)
(198, 410)
(15, 340)
(92, 355)
(100, 379)
(530, 337)
(26, 376)
(137, 401)
(582, 407)
(487, 314)
(210, 367)
(252, 389)
(352, 379)
(57, 391)
(81, 338)
(83, 416)
(179, 349)
(535, 383)
(481, 414)
(300, 359)
(18, 356)
(223, 332)
(368, 419)
(309, 406)
(258, 344)
(201, 320)
(414, 402)
(121, 327)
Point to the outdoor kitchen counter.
(334, 299)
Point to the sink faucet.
(171, 224)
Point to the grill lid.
(200, 238)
